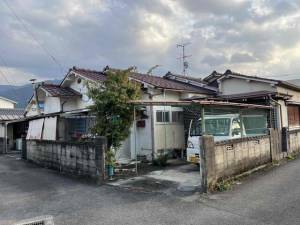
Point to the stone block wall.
(84, 159)
(294, 141)
(231, 157)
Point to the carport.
(195, 110)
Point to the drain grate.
(42, 220)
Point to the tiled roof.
(56, 90)
(90, 74)
(215, 76)
(164, 83)
(11, 114)
(170, 75)
(158, 82)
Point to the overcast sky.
(253, 37)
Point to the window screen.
(255, 124)
(177, 116)
(162, 116)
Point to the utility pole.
(185, 64)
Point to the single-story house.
(158, 128)
(9, 137)
(282, 95)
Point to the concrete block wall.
(84, 159)
(231, 157)
(294, 141)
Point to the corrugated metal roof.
(11, 114)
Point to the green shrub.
(161, 160)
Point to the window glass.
(41, 105)
(236, 127)
(195, 128)
(217, 127)
(162, 116)
(255, 125)
(177, 116)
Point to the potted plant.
(110, 162)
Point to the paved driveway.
(28, 191)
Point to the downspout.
(62, 106)
(36, 99)
(5, 139)
(165, 126)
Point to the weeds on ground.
(161, 160)
(223, 185)
(290, 157)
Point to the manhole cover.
(42, 220)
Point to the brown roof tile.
(56, 90)
(90, 74)
(158, 82)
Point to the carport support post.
(202, 166)
(207, 164)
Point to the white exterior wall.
(2, 130)
(237, 86)
(6, 104)
(52, 105)
(284, 108)
(295, 94)
(84, 101)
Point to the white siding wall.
(52, 104)
(2, 130)
(236, 86)
(6, 104)
(84, 101)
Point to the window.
(41, 105)
(177, 116)
(255, 124)
(294, 116)
(77, 126)
(196, 128)
(162, 116)
(236, 128)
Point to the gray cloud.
(241, 58)
(251, 36)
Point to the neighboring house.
(8, 113)
(157, 128)
(7, 103)
(284, 96)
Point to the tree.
(112, 107)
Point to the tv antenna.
(185, 64)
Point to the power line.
(33, 36)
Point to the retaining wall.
(294, 141)
(84, 159)
(231, 157)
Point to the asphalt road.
(26, 191)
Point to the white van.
(223, 127)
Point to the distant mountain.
(295, 81)
(20, 94)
